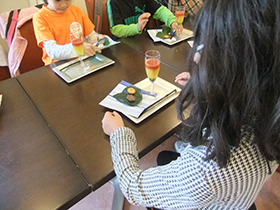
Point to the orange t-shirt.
(50, 25)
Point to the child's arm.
(165, 15)
(122, 30)
(92, 37)
(62, 52)
(59, 52)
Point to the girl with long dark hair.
(232, 134)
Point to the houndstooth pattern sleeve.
(190, 182)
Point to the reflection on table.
(35, 170)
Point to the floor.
(101, 199)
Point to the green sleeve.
(121, 30)
(164, 15)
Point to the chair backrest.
(105, 24)
(32, 58)
(92, 13)
(93, 16)
(4, 73)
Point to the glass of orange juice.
(180, 15)
(77, 41)
(152, 66)
(78, 46)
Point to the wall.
(7, 5)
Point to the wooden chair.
(104, 27)
(4, 73)
(32, 58)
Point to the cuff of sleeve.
(135, 29)
(120, 134)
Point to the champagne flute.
(78, 46)
(180, 15)
(152, 66)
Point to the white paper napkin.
(186, 34)
(111, 43)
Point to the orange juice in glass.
(180, 15)
(77, 42)
(152, 66)
(78, 46)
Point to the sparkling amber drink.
(152, 68)
(179, 17)
(152, 64)
(78, 46)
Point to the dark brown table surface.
(35, 170)
(174, 56)
(73, 112)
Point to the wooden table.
(174, 56)
(73, 112)
(35, 171)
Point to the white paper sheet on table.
(135, 111)
(111, 43)
(190, 43)
(186, 34)
(167, 92)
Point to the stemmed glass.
(78, 46)
(77, 42)
(152, 66)
(180, 15)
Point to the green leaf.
(166, 31)
(122, 97)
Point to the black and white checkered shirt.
(190, 182)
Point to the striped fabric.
(190, 182)
(191, 6)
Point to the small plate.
(163, 88)
(186, 34)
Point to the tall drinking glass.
(152, 65)
(180, 15)
(78, 46)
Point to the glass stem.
(81, 61)
(152, 88)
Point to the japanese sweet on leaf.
(130, 96)
(166, 33)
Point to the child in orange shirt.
(52, 30)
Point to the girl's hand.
(90, 49)
(142, 20)
(183, 78)
(111, 122)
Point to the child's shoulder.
(75, 8)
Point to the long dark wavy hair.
(237, 80)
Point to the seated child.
(52, 30)
(191, 6)
(129, 17)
